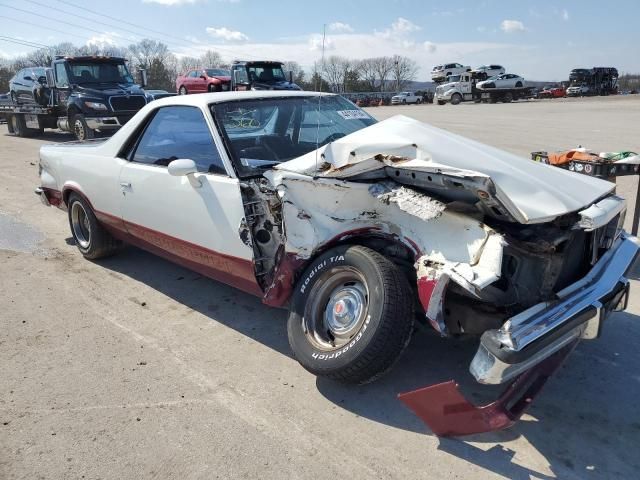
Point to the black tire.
(518, 84)
(376, 335)
(90, 237)
(456, 98)
(214, 88)
(80, 128)
(441, 102)
(183, 90)
(19, 126)
(507, 98)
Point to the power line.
(43, 27)
(62, 21)
(25, 43)
(164, 34)
(66, 12)
(119, 20)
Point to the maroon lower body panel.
(448, 413)
(234, 271)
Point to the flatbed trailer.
(463, 88)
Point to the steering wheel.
(260, 142)
(333, 137)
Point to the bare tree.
(368, 74)
(187, 63)
(210, 58)
(383, 68)
(296, 72)
(404, 70)
(146, 52)
(336, 70)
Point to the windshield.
(265, 73)
(264, 132)
(453, 78)
(103, 72)
(217, 72)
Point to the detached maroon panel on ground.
(448, 413)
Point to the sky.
(540, 40)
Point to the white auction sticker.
(353, 114)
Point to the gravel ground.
(133, 367)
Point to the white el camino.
(359, 228)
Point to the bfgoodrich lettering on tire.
(351, 315)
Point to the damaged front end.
(499, 252)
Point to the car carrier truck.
(462, 88)
(86, 94)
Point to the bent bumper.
(534, 335)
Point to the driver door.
(192, 221)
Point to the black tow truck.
(260, 75)
(84, 95)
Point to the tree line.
(337, 74)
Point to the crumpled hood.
(531, 191)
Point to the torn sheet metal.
(448, 413)
(531, 191)
(333, 206)
(411, 201)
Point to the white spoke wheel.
(91, 238)
(351, 315)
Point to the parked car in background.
(505, 80)
(578, 90)
(441, 72)
(552, 91)
(306, 201)
(29, 86)
(405, 97)
(488, 70)
(203, 80)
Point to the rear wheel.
(182, 91)
(352, 315)
(441, 102)
(456, 98)
(90, 237)
(508, 97)
(80, 128)
(518, 84)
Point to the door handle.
(125, 184)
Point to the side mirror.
(290, 76)
(42, 80)
(203, 77)
(142, 73)
(238, 80)
(185, 167)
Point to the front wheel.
(518, 84)
(456, 98)
(80, 128)
(182, 90)
(90, 237)
(352, 315)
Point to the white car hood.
(532, 192)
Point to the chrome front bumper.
(578, 312)
(102, 123)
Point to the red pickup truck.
(203, 80)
